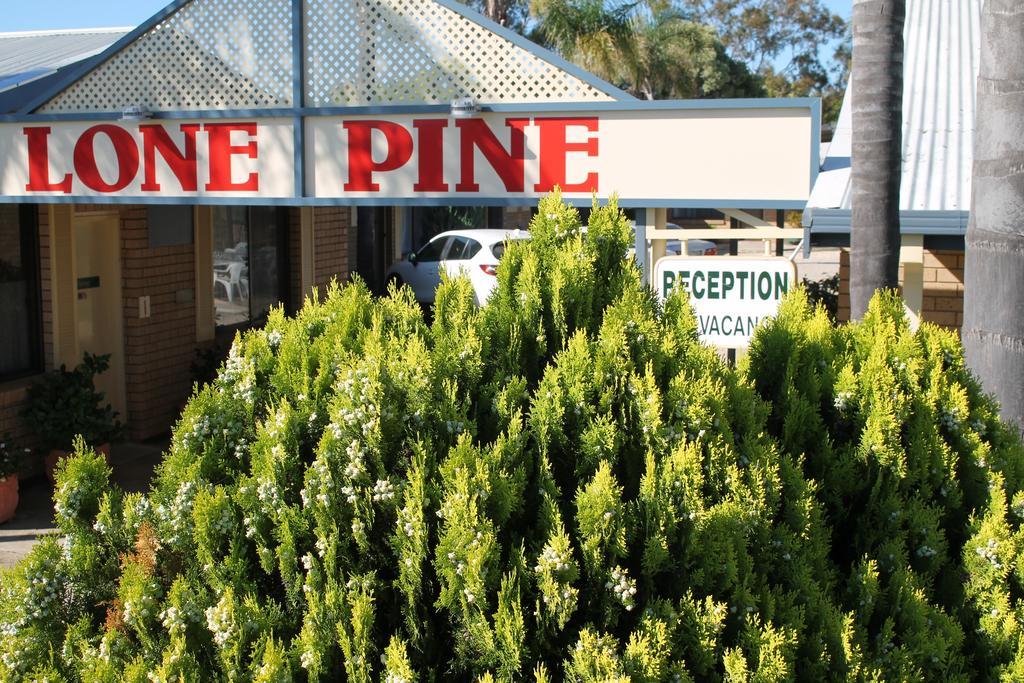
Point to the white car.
(475, 252)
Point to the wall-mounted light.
(465, 107)
(136, 113)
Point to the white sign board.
(662, 154)
(730, 296)
(148, 159)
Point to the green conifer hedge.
(562, 485)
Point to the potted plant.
(65, 403)
(10, 463)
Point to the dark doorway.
(374, 245)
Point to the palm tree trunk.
(993, 330)
(877, 82)
(497, 11)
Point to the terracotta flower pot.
(8, 497)
(55, 456)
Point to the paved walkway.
(133, 468)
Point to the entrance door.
(374, 245)
(99, 308)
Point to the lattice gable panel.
(237, 54)
(381, 52)
(210, 54)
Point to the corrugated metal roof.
(940, 73)
(26, 56)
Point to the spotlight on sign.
(136, 113)
(465, 107)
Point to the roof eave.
(823, 221)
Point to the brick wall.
(331, 244)
(159, 350)
(943, 295)
(943, 301)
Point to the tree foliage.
(783, 41)
(562, 485)
(514, 14)
(649, 49)
(661, 49)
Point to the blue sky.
(21, 15)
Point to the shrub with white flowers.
(622, 587)
(561, 485)
(80, 487)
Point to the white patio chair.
(230, 279)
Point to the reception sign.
(730, 296)
(720, 156)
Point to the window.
(498, 248)
(462, 248)
(249, 263)
(427, 221)
(20, 329)
(433, 250)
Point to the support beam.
(657, 219)
(63, 281)
(769, 233)
(912, 249)
(912, 260)
(780, 222)
(640, 243)
(206, 328)
(746, 218)
(307, 252)
(752, 221)
(402, 219)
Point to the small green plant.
(11, 456)
(824, 292)
(64, 403)
(206, 363)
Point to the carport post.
(657, 220)
(640, 244)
